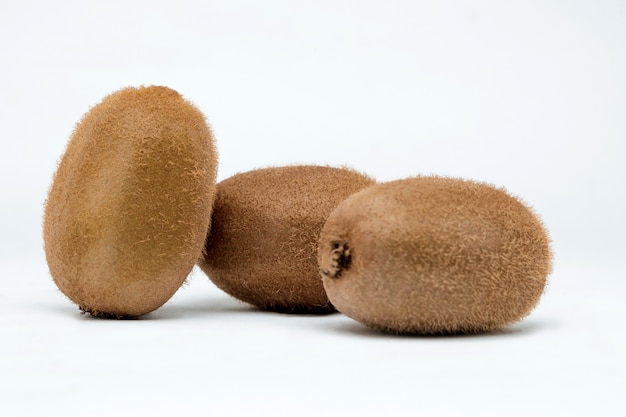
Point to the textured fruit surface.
(434, 255)
(262, 247)
(130, 203)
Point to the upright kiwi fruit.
(434, 255)
(130, 203)
(262, 246)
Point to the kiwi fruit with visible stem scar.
(262, 246)
(130, 202)
(434, 255)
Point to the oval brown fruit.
(434, 255)
(262, 247)
(130, 203)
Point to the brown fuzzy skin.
(434, 255)
(130, 203)
(262, 247)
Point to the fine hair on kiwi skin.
(434, 255)
(262, 246)
(130, 203)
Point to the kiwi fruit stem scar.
(337, 260)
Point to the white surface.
(206, 354)
(529, 95)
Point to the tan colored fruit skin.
(130, 203)
(434, 255)
(262, 247)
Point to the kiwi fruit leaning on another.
(434, 255)
(262, 246)
(130, 203)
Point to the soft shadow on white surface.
(220, 304)
(527, 328)
(197, 308)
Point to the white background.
(529, 95)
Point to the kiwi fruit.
(434, 255)
(130, 203)
(262, 246)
